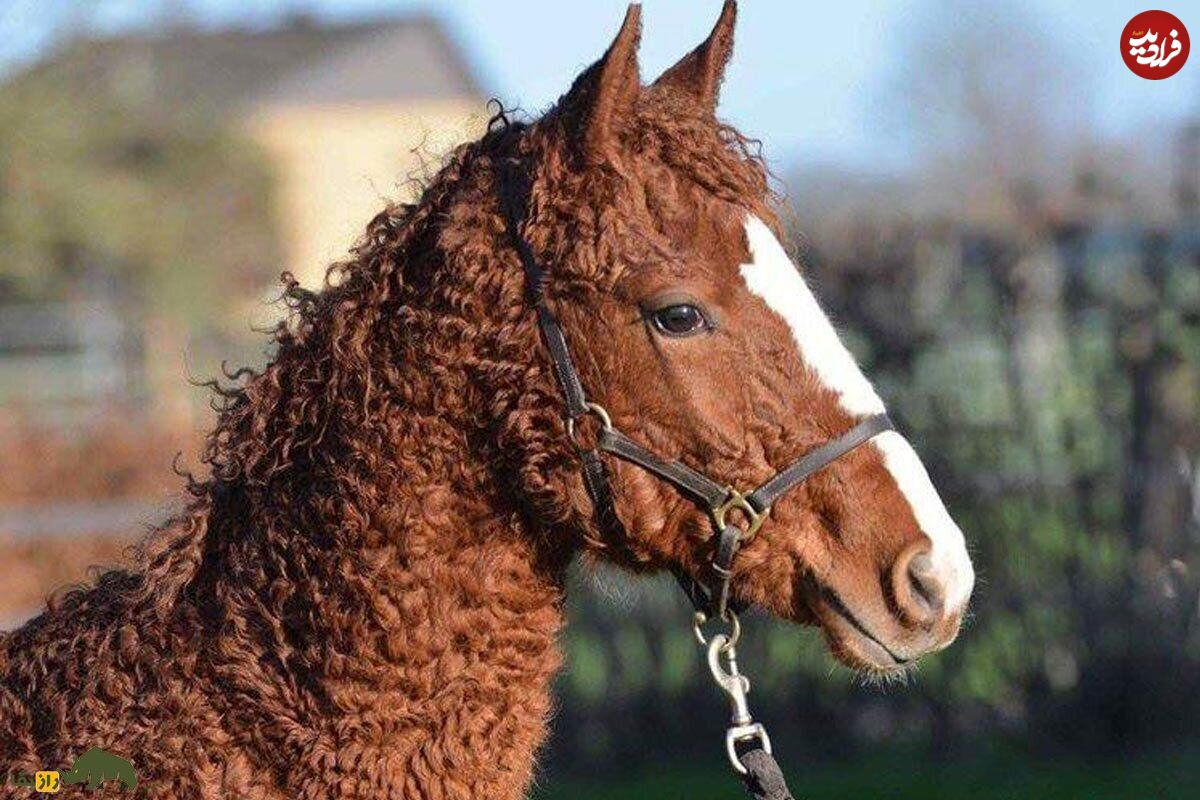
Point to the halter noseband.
(718, 499)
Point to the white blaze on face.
(773, 277)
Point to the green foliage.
(589, 667)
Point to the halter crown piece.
(724, 503)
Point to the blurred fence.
(64, 358)
(77, 486)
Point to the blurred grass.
(896, 775)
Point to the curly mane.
(315, 421)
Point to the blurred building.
(347, 115)
(346, 112)
(343, 115)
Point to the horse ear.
(606, 89)
(700, 72)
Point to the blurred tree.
(996, 105)
(103, 180)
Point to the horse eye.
(682, 319)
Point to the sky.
(814, 81)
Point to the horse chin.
(863, 653)
(850, 642)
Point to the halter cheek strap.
(723, 502)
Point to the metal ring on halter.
(700, 619)
(599, 411)
(735, 500)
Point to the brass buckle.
(599, 411)
(736, 500)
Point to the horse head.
(701, 339)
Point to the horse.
(361, 596)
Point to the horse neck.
(409, 615)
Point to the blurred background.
(1003, 219)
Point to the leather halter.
(718, 499)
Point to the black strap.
(764, 780)
(713, 494)
(765, 496)
(728, 543)
(703, 596)
(512, 192)
(599, 489)
(560, 356)
(683, 477)
(713, 598)
(512, 198)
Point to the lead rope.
(747, 745)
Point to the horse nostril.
(920, 593)
(925, 583)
